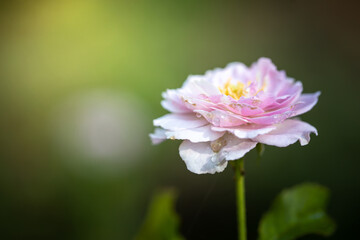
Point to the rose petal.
(221, 118)
(198, 85)
(176, 121)
(267, 76)
(247, 131)
(306, 102)
(273, 117)
(201, 158)
(293, 88)
(173, 103)
(200, 134)
(288, 132)
(236, 148)
(233, 70)
(158, 136)
(198, 103)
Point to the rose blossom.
(223, 114)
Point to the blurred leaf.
(296, 212)
(161, 222)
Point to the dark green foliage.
(296, 212)
(161, 222)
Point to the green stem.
(240, 197)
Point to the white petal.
(196, 85)
(288, 132)
(200, 134)
(175, 121)
(247, 131)
(236, 148)
(173, 103)
(200, 158)
(233, 70)
(158, 136)
(174, 107)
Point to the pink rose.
(223, 114)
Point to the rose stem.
(240, 198)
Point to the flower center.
(236, 91)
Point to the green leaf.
(161, 222)
(296, 212)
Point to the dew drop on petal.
(216, 121)
(218, 144)
(214, 159)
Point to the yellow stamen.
(236, 91)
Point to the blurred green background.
(81, 81)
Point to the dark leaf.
(296, 212)
(161, 222)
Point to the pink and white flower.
(222, 115)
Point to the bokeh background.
(81, 81)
